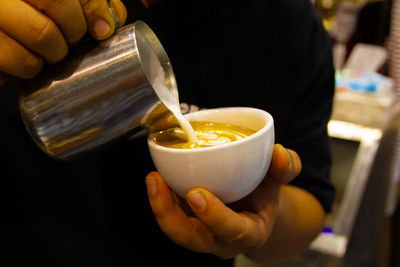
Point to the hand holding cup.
(223, 230)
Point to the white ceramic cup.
(230, 171)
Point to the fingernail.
(280, 147)
(284, 150)
(152, 185)
(197, 200)
(101, 28)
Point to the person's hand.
(36, 31)
(210, 226)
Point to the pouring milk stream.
(216, 135)
(171, 101)
(168, 97)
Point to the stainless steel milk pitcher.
(100, 92)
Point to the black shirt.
(269, 54)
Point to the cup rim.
(269, 123)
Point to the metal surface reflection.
(101, 91)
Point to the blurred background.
(364, 227)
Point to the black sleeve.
(307, 135)
(305, 130)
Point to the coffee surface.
(208, 134)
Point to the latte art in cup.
(208, 134)
(229, 170)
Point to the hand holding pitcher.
(48, 28)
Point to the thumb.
(103, 17)
(285, 164)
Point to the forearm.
(299, 220)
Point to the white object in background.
(366, 58)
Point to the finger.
(33, 29)
(119, 10)
(67, 14)
(16, 60)
(100, 20)
(180, 228)
(241, 230)
(285, 164)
